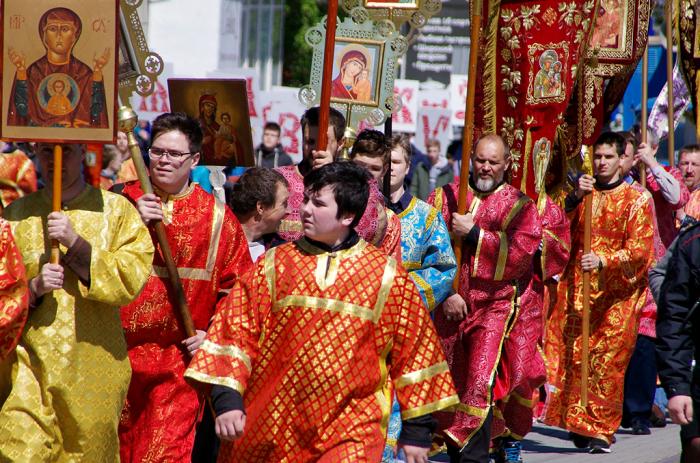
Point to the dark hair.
(631, 139)
(432, 142)
(335, 119)
(350, 185)
(182, 123)
(613, 139)
(257, 184)
(62, 14)
(274, 126)
(689, 149)
(372, 143)
(404, 142)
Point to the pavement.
(545, 444)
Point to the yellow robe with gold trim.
(63, 388)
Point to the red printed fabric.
(17, 177)
(318, 343)
(493, 276)
(14, 296)
(210, 251)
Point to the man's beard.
(485, 185)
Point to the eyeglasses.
(157, 153)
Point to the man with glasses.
(210, 251)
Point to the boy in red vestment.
(210, 251)
(306, 351)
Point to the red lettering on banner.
(16, 21)
(290, 124)
(404, 116)
(435, 104)
(429, 132)
(266, 111)
(251, 97)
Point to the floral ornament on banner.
(364, 69)
(414, 12)
(528, 64)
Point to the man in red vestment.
(14, 296)
(210, 251)
(374, 226)
(499, 234)
(58, 74)
(305, 353)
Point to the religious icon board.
(221, 107)
(364, 64)
(59, 71)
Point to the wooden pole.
(388, 129)
(586, 321)
(468, 133)
(56, 196)
(328, 52)
(127, 122)
(668, 7)
(645, 117)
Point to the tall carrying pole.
(669, 79)
(468, 134)
(586, 321)
(127, 122)
(325, 105)
(645, 98)
(56, 196)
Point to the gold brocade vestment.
(622, 236)
(315, 342)
(63, 388)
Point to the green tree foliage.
(300, 15)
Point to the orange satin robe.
(692, 207)
(14, 297)
(17, 177)
(622, 236)
(210, 251)
(317, 343)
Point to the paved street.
(550, 445)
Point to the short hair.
(404, 142)
(689, 149)
(274, 126)
(350, 185)
(373, 144)
(60, 14)
(492, 137)
(335, 119)
(256, 185)
(631, 139)
(432, 142)
(181, 122)
(613, 139)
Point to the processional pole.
(668, 7)
(644, 121)
(468, 133)
(325, 104)
(56, 196)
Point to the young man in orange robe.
(305, 353)
(210, 251)
(621, 253)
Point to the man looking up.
(210, 251)
(500, 234)
(57, 402)
(301, 350)
(622, 240)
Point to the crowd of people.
(341, 312)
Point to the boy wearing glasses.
(210, 251)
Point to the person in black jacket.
(270, 153)
(678, 339)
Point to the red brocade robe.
(622, 236)
(493, 276)
(210, 252)
(378, 225)
(14, 297)
(522, 369)
(317, 342)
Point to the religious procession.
(349, 231)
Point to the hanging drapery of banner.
(528, 64)
(658, 117)
(617, 43)
(364, 69)
(689, 51)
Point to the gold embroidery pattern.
(421, 375)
